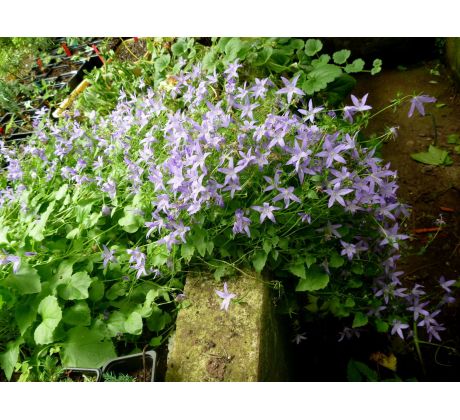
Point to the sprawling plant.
(100, 219)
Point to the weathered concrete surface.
(241, 345)
(453, 55)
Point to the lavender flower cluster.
(205, 141)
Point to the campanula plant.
(102, 218)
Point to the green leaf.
(336, 261)
(158, 320)
(376, 66)
(320, 76)
(131, 221)
(86, 348)
(78, 314)
(180, 47)
(187, 250)
(313, 46)
(37, 227)
(258, 260)
(232, 49)
(381, 326)
(75, 287)
(4, 233)
(355, 67)
(298, 269)
(310, 259)
(340, 88)
(117, 290)
(457, 149)
(263, 56)
(133, 324)
(315, 279)
(453, 139)
(434, 156)
(25, 281)
(162, 62)
(209, 60)
(74, 233)
(357, 269)
(357, 371)
(359, 320)
(61, 192)
(51, 314)
(96, 291)
(295, 44)
(25, 314)
(340, 57)
(9, 358)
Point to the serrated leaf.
(315, 279)
(51, 314)
(86, 348)
(359, 320)
(340, 57)
(25, 281)
(355, 67)
(78, 314)
(75, 287)
(434, 156)
(133, 324)
(313, 46)
(258, 260)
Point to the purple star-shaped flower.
(108, 255)
(266, 211)
(336, 195)
(310, 113)
(290, 88)
(445, 284)
(398, 326)
(417, 103)
(226, 296)
(287, 195)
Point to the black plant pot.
(77, 374)
(140, 365)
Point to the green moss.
(214, 345)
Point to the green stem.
(417, 348)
